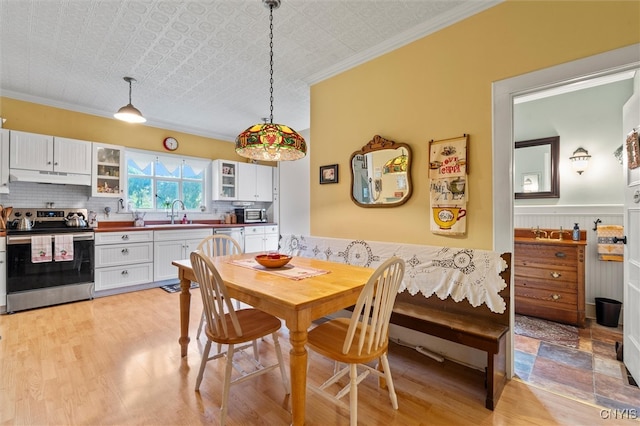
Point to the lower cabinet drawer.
(123, 276)
(550, 275)
(551, 312)
(547, 297)
(124, 254)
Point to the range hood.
(20, 175)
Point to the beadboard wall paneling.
(602, 279)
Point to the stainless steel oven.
(32, 282)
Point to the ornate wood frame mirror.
(381, 174)
(535, 168)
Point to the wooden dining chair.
(362, 338)
(226, 326)
(217, 245)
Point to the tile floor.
(588, 373)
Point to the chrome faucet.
(173, 206)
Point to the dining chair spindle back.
(362, 338)
(226, 326)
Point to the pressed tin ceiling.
(202, 67)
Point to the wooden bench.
(461, 323)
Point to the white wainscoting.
(602, 279)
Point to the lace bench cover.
(461, 273)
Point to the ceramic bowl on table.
(273, 260)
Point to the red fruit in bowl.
(273, 256)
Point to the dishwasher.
(237, 233)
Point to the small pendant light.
(129, 113)
(270, 141)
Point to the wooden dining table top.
(257, 287)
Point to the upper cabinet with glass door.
(108, 167)
(225, 180)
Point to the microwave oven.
(251, 215)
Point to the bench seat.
(478, 333)
(459, 322)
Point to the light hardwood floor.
(116, 361)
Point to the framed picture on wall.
(329, 174)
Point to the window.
(154, 181)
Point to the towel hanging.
(63, 248)
(607, 249)
(41, 248)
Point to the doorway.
(504, 93)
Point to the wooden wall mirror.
(381, 174)
(535, 168)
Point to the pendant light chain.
(271, 61)
(269, 141)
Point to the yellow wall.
(36, 118)
(440, 87)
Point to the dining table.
(298, 300)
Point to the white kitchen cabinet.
(255, 182)
(261, 238)
(3, 275)
(4, 161)
(225, 180)
(123, 259)
(107, 173)
(174, 245)
(31, 151)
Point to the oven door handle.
(26, 239)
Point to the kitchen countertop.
(166, 225)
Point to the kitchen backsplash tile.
(27, 194)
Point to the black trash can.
(607, 311)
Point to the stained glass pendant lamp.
(396, 165)
(269, 141)
(129, 113)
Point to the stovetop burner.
(46, 221)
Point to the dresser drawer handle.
(556, 275)
(555, 296)
(561, 254)
(124, 251)
(125, 272)
(125, 237)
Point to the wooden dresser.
(549, 276)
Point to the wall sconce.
(580, 160)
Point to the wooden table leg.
(298, 368)
(185, 307)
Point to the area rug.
(551, 332)
(175, 288)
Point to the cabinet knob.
(55, 164)
(125, 251)
(48, 162)
(125, 272)
(556, 274)
(125, 237)
(555, 296)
